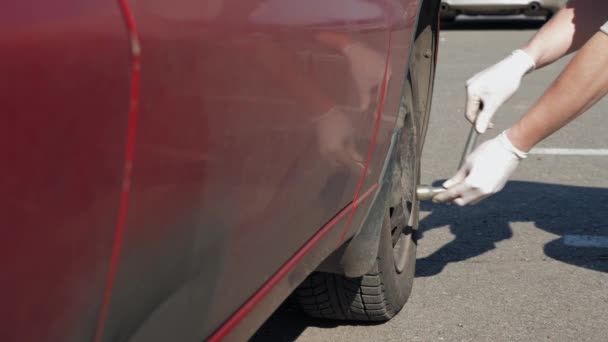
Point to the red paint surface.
(371, 145)
(284, 270)
(64, 100)
(228, 160)
(227, 156)
(128, 168)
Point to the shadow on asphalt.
(493, 23)
(557, 209)
(286, 324)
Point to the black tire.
(377, 296)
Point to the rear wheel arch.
(356, 257)
(366, 279)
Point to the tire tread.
(333, 296)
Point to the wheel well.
(422, 61)
(417, 97)
(357, 257)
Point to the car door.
(64, 103)
(251, 135)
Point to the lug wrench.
(427, 192)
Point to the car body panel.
(226, 159)
(64, 104)
(228, 181)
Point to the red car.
(173, 170)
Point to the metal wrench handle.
(469, 146)
(427, 192)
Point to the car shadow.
(287, 323)
(463, 23)
(557, 209)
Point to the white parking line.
(594, 241)
(571, 151)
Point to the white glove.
(490, 88)
(367, 68)
(485, 172)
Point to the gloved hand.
(485, 172)
(367, 68)
(490, 88)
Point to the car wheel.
(384, 289)
(378, 295)
(382, 292)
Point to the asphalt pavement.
(529, 264)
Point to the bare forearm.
(581, 84)
(567, 31)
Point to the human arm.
(566, 32)
(581, 85)
(487, 169)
